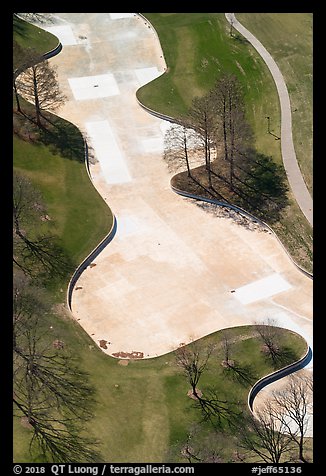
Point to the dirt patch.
(191, 394)
(25, 423)
(103, 343)
(227, 363)
(129, 355)
(58, 344)
(124, 362)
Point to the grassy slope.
(288, 37)
(149, 411)
(68, 195)
(197, 48)
(29, 35)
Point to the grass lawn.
(79, 215)
(288, 38)
(28, 35)
(197, 48)
(142, 410)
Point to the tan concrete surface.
(166, 278)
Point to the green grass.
(288, 38)
(149, 412)
(68, 194)
(27, 35)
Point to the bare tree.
(291, 409)
(203, 120)
(50, 390)
(226, 345)
(241, 373)
(38, 84)
(178, 143)
(202, 448)
(270, 335)
(193, 360)
(34, 253)
(227, 102)
(231, 27)
(27, 301)
(18, 58)
(59, 442)
(22, 59)
(27, 202)
(264, 436)
(187, 450)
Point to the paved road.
(291, 166)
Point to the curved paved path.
(173, 272)
(291, 166)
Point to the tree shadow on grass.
(242, 374)
(239, 38)
(284, 356)
(43, 258)
(264, 183)
(64, 138)
(19, 27)
(60, 136)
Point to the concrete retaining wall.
(87, 261)
(273, 377)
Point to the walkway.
(291, 166)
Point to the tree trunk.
(231, 28)
(225, 132)
(186, 152)
(301, 444)
(37, 104)
(209, 166)
(231, 131)
(17, 98)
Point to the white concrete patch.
(127, 226)
(261, 289)
(63, 32)
(155, 144)
(92, 87)
(108, 152)
(165, 126)
(145, 75)
(116, 16)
